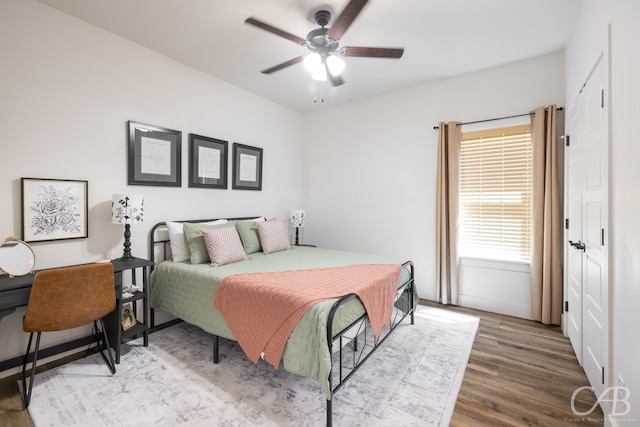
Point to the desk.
(15, 292)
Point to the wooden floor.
(520, 373)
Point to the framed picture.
(207, 162)
(54, 209)
(247, 167)
(128, 317)
(154, 155)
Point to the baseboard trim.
(494, 306)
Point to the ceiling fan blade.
(283, 65)
(372, 52)
(346, 18)
(335, 80)
(278, 32)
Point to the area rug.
(413, 379)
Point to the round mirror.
(16, 257)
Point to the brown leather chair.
(66, 298)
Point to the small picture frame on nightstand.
(128, 318)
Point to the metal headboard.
(159, 236)
(159, 240)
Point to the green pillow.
(195, 240)
(249, 235)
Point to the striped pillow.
(223, 245)
(273, 236)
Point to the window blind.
(495, 194)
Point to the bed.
(337, 330)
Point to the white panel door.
(595, 286)
(573, 170)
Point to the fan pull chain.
(315, 99)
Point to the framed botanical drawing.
(154, 155)
(207, 162)
(54, 209)
(247, 167)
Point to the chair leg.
(110, 362)
(26, 392)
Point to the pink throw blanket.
(262, 309)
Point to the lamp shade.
(320, 73)
(312, 61)
(335, 65)
(297, 218)
(127, 209)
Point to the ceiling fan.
(324, 44)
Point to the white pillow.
(179, 250)
(259, 219)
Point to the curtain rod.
(497, 118)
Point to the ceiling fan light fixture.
(323, 44)
(335, 65)
(312, 62)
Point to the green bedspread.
(187, 291)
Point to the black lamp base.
(126, 254)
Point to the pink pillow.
(223, 245)
(273, 236)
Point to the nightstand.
(127, 274)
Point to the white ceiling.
(442, 38)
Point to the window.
(495, 194)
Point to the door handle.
(578, 245)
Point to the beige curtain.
(447, 189)
(546, 221)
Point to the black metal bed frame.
(354, 348)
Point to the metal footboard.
(355, 347)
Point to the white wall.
(67, 90)
(624, 281)
(370, 168)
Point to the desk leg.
(112, 321)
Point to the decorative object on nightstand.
(128, 319)
(297, 221)
(127, 209)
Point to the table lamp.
(127, 209)
(297, 221)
